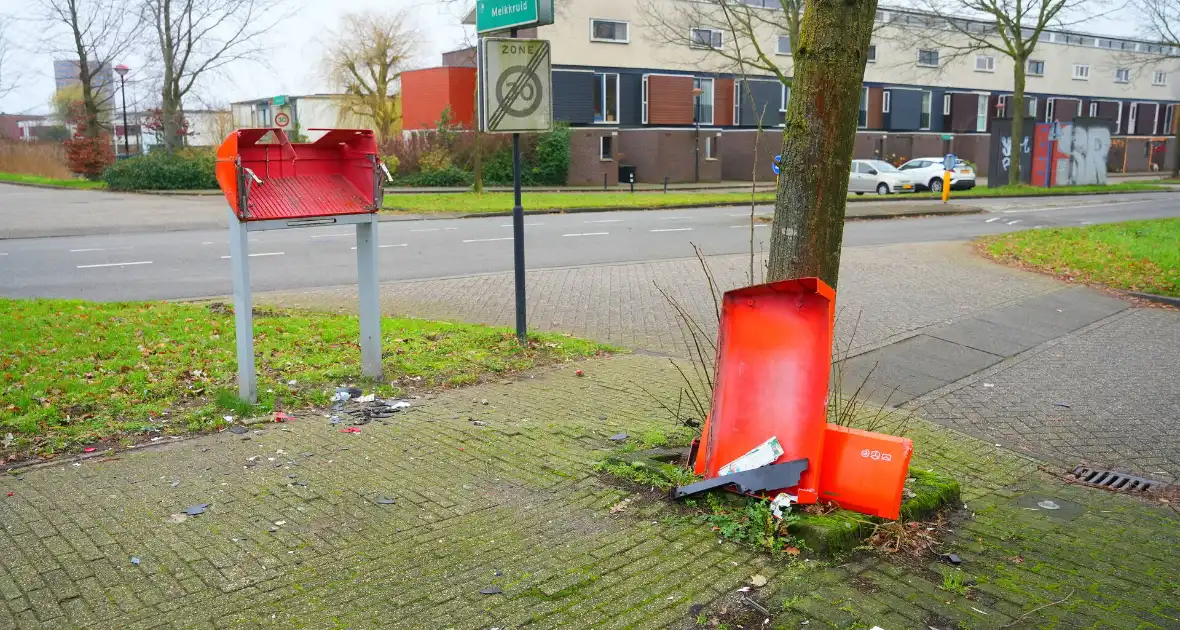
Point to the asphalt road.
(170, 265)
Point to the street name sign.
(515, 86)
(501, 15)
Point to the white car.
(927, 174)
(879, 177)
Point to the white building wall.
(897, 53)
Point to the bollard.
(604, 181)
(946, 186)
(632, 182)
(665, 184)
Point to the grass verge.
(19, 178)
(1135, 255)
(471, 203)
(75, 373)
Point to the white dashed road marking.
(262, 254)
(487, 240)
(426, 230)
(331, 235)
(1014, 222)
(588, 234)
(526, 224)
(384, 246)
(674, 230)
(123, 264)
(99, 249)
(993, 219)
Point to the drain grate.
(1116, 481)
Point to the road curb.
(1158, 299)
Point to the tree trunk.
(477, 160)
(818, 140)
(1017, 122)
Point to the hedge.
(188, 169)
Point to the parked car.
(927, 174)
(879, 177)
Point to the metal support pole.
(518, 243)
(369, 301)
(604, 181)
(126, 131)
(239, 251)
(518, 240)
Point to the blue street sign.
(948, 162)
(778, 159)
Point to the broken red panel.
(774, 360)
(865, 472)
(265, 176)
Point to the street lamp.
(696, 119)
(123, 70)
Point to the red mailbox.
(265, 176)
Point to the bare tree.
(198, 38)
(821, 118)
(1161, 22)
(100, 33)
(7, 78)
(1010, 28)
(747, 27)
(366, 59)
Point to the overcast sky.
(293, 63)
(293, 60)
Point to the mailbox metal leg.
(368, 292)
(239, 249)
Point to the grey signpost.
(515, 95)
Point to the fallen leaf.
(793, 551)
(758, 581)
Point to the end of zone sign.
(515, 86)
(501, 15)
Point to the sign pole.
(518, 240)
(239, 249)
(368, 295)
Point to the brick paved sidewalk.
(514, 505)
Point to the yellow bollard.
(946, 186)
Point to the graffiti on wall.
(1006, 150)
(1087, 147)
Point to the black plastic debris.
(498, 573)
(618, 437)
(238, 429)
(952, 558)
(772, 477)
(1066, 405)
(491, 590)
(383, 500)
(355, 392)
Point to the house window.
(1002, 106)
(1122, 75)
(863, 116)
(981, 113)
(704, 38)
(643, 97)
(928, 58)
(886, 102)
(1093, 109)
(1159, 78)
(946, 104)
(985, 63)
(785, 97)
(1036, 67)
(609, 31)
(1032, 106)
(1169, 113)
(1155, 120)
(606, 148)
(606, 98)
(1081, 72)
(711, 147)
(1131, 119)
(703, 101)
(784, 45)
(924, 121)
(1050, 109)
(872, 53)
(737, 103)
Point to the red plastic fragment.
(89, 449)
(283, 417)
(351, 430)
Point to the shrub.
(448, 177)
(89, 151)
(437, 159)
(550, 164)
(189, 169)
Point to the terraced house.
(673, 107)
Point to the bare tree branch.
(8, 79)
(196, 39)
(366, 59)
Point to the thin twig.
(1038, 608)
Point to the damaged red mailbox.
(767, 432)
